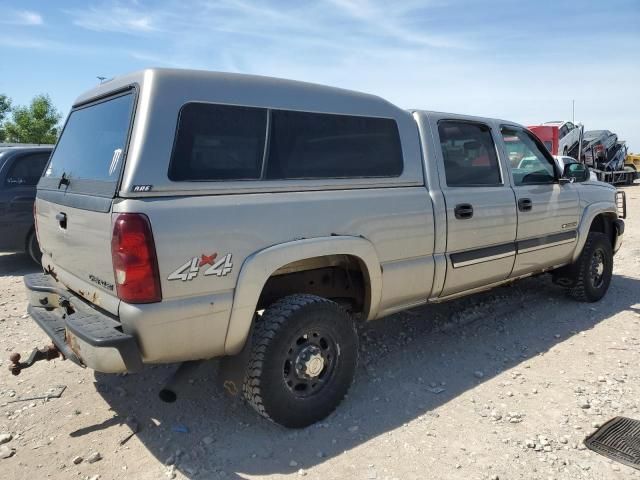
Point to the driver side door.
(547, 211)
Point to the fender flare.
(591, 212)
(258, 267)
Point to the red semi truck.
(549, 136)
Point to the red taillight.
(599, 148)
(135, 265)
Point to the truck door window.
(563, 131)
(529, 164)
(469, 154)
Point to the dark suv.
(20, 170)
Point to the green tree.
(5, 107)
(36, 123)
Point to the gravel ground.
(501, 385)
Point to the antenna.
(573, 111)
(102, 79)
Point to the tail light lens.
(134, 259)
(599, 148)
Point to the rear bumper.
(83, 334)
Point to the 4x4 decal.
(190, 270)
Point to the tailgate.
(76, 246)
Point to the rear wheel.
(630, 178)
(33, 248)
(302, 362)
(593, 269)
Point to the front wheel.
(593, 269)
(303, 358)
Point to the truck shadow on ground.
(14, 264)
(410, 364)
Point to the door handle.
(525, 204)
(463, 211)
(62, 219)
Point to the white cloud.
(20, 17)
(114, 18)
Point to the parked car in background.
(568, 136)
(20, 170)
(564, 161)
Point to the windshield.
(92, 147)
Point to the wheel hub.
(597, 268)
(310, 362)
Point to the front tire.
(33, 248)
(303, 358)
(593, 269)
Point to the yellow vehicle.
(633, 159)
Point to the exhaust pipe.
(169, 393)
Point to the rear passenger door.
(481, 211)
(547, 210)
(23, 173)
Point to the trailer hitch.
(47, 353)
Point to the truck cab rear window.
(218, 142)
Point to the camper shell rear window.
(91, 151)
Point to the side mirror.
(576, 172)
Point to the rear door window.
(27, 169)
(218, 142)
(90, 153)
(469, 154)
(319, 145)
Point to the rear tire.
(302, 362)
(593, 269)
(33, 248)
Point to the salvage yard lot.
(504, 384)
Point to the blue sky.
(520, 60)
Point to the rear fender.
(258, 267)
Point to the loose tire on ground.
(593, 269)
(302, 362)
(33, 248)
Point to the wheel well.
(341, 278)
(603, 223)
(32, 231)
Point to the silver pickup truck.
(186, 215)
